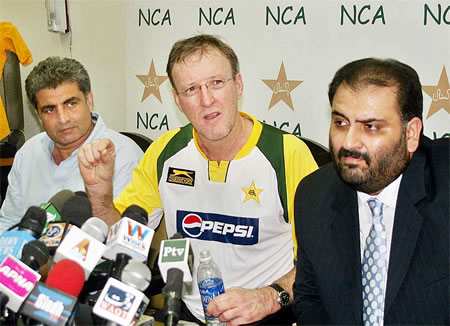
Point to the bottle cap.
(205, 256)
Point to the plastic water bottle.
(210, 284)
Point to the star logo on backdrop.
(252, 192)
(440, 94)
(151, 82)
(282, 88)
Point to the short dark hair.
(383, 73)
(202, 43)
(54, 71)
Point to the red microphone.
(67, 276)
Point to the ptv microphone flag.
(129, 237)
(17, 280)
(49, 306)
(81, 248)
(175, 254)
(118, 302)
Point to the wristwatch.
(284, 297)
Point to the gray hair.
(54, 71)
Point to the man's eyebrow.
(337, 113)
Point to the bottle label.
(209, 289)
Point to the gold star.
(152, 83)
(282, 88)
(252, 192)
(440, 94)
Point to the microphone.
(17, 280)
(176, 253)
(136, 213)
(70, 283)
(76, 210)
(130, 237)
(138, 276)
(54, 302)
(54, 206)
(35, 254)
(29, 228)
(85, 248)
(121, 302)
(175, 264)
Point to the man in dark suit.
(373, 225)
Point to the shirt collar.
(388, 196)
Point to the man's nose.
(352, 138)
(62, 115)
(206, 96)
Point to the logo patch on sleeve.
(181, 176)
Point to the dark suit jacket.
(327, 288)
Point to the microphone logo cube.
(118, 302)
(81, 248)
(130, 237)
(175, 254)
(174, 250)
(49, 306)
(17, 280)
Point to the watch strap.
(277, 287)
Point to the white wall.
(96, 39)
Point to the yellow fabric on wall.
(10, 40)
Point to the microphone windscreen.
(81, 193)
(35, 254)
(34, 220)
(76, 210)
(67, 276)
(136, 213)
(59, 199)
(96, 228)
(137, 275)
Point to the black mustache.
(355, 154)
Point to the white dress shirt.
(388, 196)
(35, 177)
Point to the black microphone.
(172, 296)
(136, 213)
(175, 264)
(76, 210)
(33, 221)
(35, 254)
(30, 227)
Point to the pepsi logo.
(192, 225)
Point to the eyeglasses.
(212, 84)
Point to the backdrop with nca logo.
(288, 52)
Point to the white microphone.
(82, 247)
(129, 237)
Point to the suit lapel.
(407, 225)
(345, 232)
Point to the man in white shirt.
(60, 91)
(374, 224)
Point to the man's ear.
(90, 101)
(413, 132)
(239, 85)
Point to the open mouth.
(211, 116)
